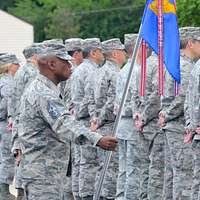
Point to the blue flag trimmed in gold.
(149, 33)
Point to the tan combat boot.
(5, 193)
(20, 194)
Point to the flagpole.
(118, 117)
(160, 49)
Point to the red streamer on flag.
(176, 88)
(176, 85)
(160, 49)
(143, 69)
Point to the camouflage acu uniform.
(191, 112)
(104, 101)
(128, 176)
(177, 155)
(45, 133)
(104, 96)
(85, 164)
(72, 44)
(7, 159)
(24, 76)
(151, 138)
(192, 117)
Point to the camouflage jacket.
(173, 106)
(6, 92)
(149, 105)
(46, 130)
(192, 106)
(23, 77)
(105, 92)
(79, 81)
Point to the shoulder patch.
(53, 110)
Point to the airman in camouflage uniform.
(85, 156)
(8, 66)
(46, 130)
(74, 49)
(129, 159)
(151, 138)
(103, 118)
(24, 76)
(191, 112)
(178, 165)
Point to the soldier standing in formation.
(59, 122)
(8, 67)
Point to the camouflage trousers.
(68, 188)
(195, 194)
(87, 168)
(76, 156)
(128, 182)
(45, 190)
(110, 181)
(16, 145)
(7, 159)
(152, 163)
(178, 165)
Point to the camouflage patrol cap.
(2, 54)
(112, 44)
(56, 46)
(190, 33)
(73, 44)
(8, 58)
(53, 41)
(91, 43)
(33, 50)
(59, 53)
(129, 39)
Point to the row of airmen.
(60, 106)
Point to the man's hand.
(94, 125)
(138, 122)
(187, 137)
(10, 124)
(116, 109)
(108, 143)
(18, 154)
(161, 120)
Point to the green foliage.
(188, 12)
(80, 18)
(5, 4)
(62, 24)
(90, 18)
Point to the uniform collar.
(113, 64)
(50, 84)
(187, 58)
(91, 62)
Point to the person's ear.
(75, 53)
(52, 64)
(190, 44)
(93, 53)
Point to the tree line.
(90, 18)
